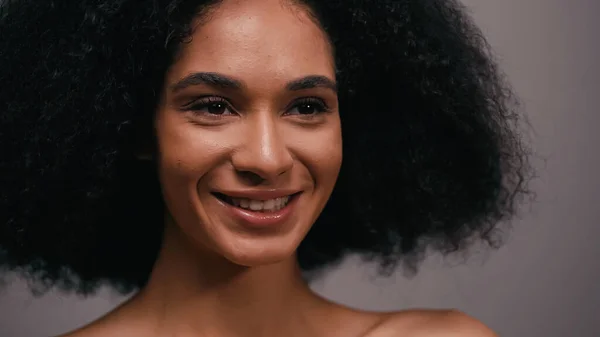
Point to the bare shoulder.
(77, 333)
(101, 330)
(112, 325)
(430, 323)
(89, 331)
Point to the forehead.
(257, 40)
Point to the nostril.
(251, 177)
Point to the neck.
(202, 294)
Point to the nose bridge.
(265, 151)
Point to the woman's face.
(248, 131)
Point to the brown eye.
(214, 106)
(308, 106)
(306, 109)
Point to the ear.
(142, 151)
(144, 156)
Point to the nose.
(264, 154)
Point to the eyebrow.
(225, 82)
(207, 78)
(312, 81)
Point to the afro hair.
(434, 156)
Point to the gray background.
(544, 282)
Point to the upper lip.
(256, 194)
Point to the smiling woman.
(192, 151)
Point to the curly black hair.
(434, 154)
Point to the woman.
(192, 150)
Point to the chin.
(258, 259)
(259, 252)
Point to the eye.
(211, 105)
(308, 106)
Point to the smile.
(255, 204)
(259, 209)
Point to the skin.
(215, 275)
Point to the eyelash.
(206, 102)
(319, 105)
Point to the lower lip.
(262, 219)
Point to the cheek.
(322, 153)
(335, 152)
(329, 159)
(185, 153)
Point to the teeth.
(261, 205)
(256, 205)
(269, 204)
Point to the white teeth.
(256, 205)
(270, 205)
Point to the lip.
(260, 220)
(259, 194)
